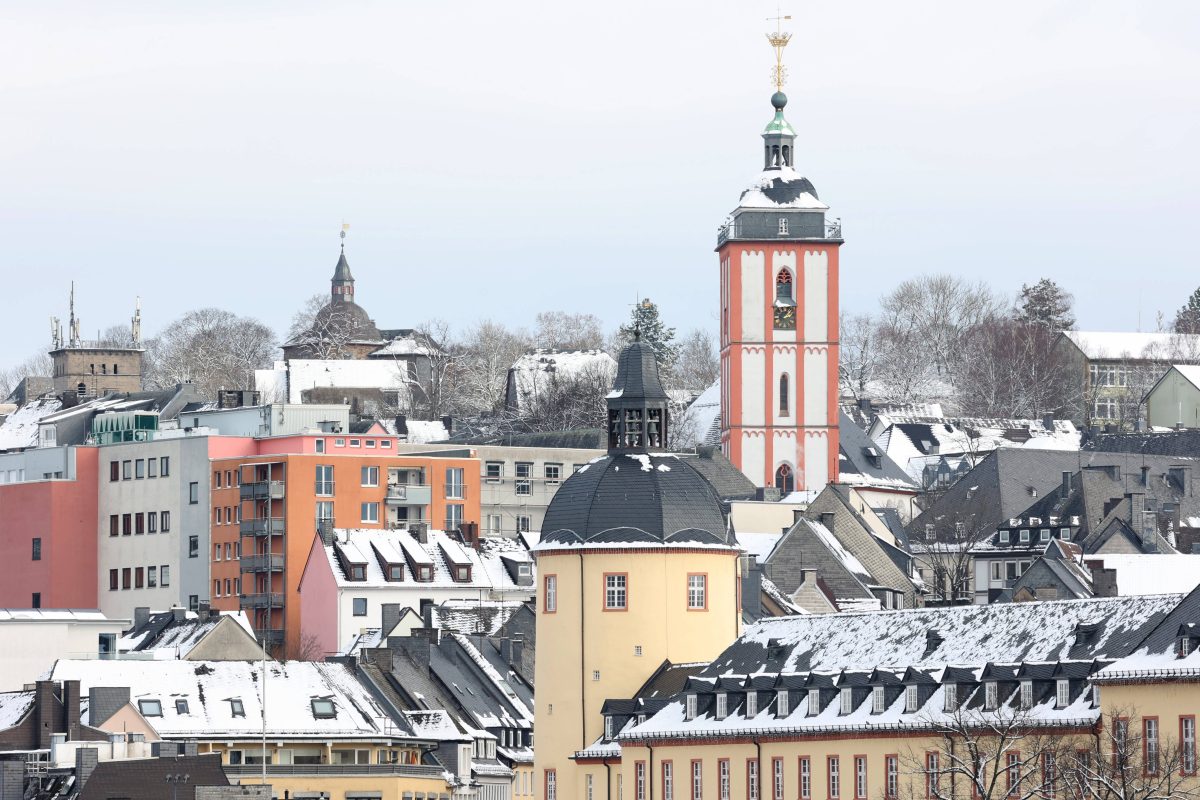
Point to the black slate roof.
(637, 373)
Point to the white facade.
(33, 639)
(275, 419)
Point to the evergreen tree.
(1187, 319)
(1045, 303)
(644, 317)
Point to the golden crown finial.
(779, 39)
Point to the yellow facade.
(599, 654)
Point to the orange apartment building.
(267, 507)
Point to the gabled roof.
(1099, 345)
(169, 636)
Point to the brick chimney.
(70, 700)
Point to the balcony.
(267, 526)
(757, 227)
(272, 562)
(333, 770)
(262, 600)
(408, 494)
(262, 490)
(269, 637)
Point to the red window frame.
(753, 780)
(666, 770)
(547, 775)
(1049, 777)
(1012, 771)
(724, 779)
(1146, 761)
(832, 762)
(1182, 756)
(696, 779)
(891, 769)
(778, 779)
(546, 579)
(804, 773)
(860, 760)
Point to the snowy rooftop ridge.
(1118, 344)
(755, 197)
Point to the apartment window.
(551, 785)
(523, 523)
(1044, 535)
(113, 580)
(1064, 534)
(553, 473)
(689, 706)
(493, 524)
(324, 511)
(932, 773)
(139, 578)
(668, 780)
(37, 549)
(1003, 537)
(777, 778)
(139, 523)
(193, 493)
(454, 516)
(697, 592)
(151, 467)
(752, 779)
(805, 778)
(723, 781)
(1062, 693)
(814, 702)
(1049, 774)
(860, 777)
(697, 780)
(216, 552)
(835, 777)
(319, 445)
(639, 780)
(891, 766)
(910, 698)
(1187, 746)
(217, 479)
(751, 704)
(126, 578)
(228, 590)
(164, 466)
(877, 699)
(1012, 771)
(150, 708)
(216, 588)
(216, 516)
(324, 482)
(114, 525)
(370, 476)
(36, 600)
(1024, 536)
(152, 522)
(360, 606)
(114, 470)
(524, 483)
(550, 594)
(164, 573)
(847, 698)
(455, 488)
(126, 470)
(164, 521)
(1026, 694)
(615, 591)
(126, 524)
(193, 546)
(370, 512)
(1150, 745)
(782, 704)
(151, 577)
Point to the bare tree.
(38, 365)
(1127, 759)
(559, 330)
(489, 350)
(210, 348)
(573, 402)
(435, 393)
(117, 336)
(322, 328)
(1014, 370)
(697, 366)
(859, 355)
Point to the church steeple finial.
(779, 137)
(779, 39)
(637, 405)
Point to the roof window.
(322, 708)
(236, 707)
(150, 708)
(181, 706)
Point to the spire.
(778, 137)
(342, 285)
(637, 404)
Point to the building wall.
(62, 514)
(31, 647)
(758, 433)
(1174, 401)
(595, 656)
(100, 370)
(320, 617)
(42, 463)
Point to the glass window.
(370, 512)
(164, 521)
(152, 523)
(193, 493)
(164, 573)
(835, 777)
(324, 486)
(193, 546)
(37, 549)
(553, 472)
(150, 708)
(550, 594)
(236, 707)
(493, 470)
(615, 592)
(697, 592)
(360, 606)
(454, 516)
(524, 484)
(181, 707)
(370, 476)
(322, 708)
(355, 442)
(455, 488)
(164, 466)
(320, 445)
(151, 577)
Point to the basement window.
(150, 708)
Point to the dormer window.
(395, 572)
(181, 706)
(722, 705)
(951, 697)
(1062, 693)
(425, 573)
(608, 728)
(236, 708)
(462, 574)
(358, 572)
(1026, 694)
(991, 695)
(1003, 537)
(322, 708)
(782, 704)
(814, 702)
(847, 698)
(689, 710)
(1024, 536)
(960, 530)
(910, 698)
(1064, 534)
(877, 699)
(1044, 534)
(751, 704)
(1183, 647)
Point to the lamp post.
(175, 779)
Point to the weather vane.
(345, 227)
(779, 40)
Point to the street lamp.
(175, 779)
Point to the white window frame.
(370, 512)
(814, 702)
(751, 704)
(1026, 694)
(910, 698)
(1062, 693)
(697, 592)
(846, 697)
(690, 704)
(991, 695)
(370, 476)
(722, 705)
(878, 699)
(782, 703)
(951, 697)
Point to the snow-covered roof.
(210, 687)
(420, 431)
(435, 725)
(700, 423)
(55, 615)
(754, 197)
(1156, 573)
(535, 372)
(1130, 344)
(299, 375)
(20, 429)
(177, 638)
(757, 544)
(486, 617)
(405, 346)
(13, 707)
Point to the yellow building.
(637, 566)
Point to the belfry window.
(783, 280)
(784, 386)
(633, 427)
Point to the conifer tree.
(1187, 319)
(1045, 303)
(644, 317)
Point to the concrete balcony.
(333, 770)
(262, 490)
(272, 562)
(404, 494)
(268, 526)
(262, 600)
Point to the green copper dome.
(779, 126)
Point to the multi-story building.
(779, 321)
(31, 639)
(47, 528)
(266, 509)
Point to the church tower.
(779, 319)
(342, 284)
(637, 565)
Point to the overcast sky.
(497, 159)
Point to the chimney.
(86, 759)
(448, 424)
(1181, 476)
(864, 405)
(180, 614)
(104, 701)
(427, 615)
(470, 533)
(1104, 581)
(141, 617)
(1137, 506)
(202, 609)
(506, 649)
(1149, 531)
(1048, 422)
(933, 640)
(827, 518)
(1066, 484)
(391, 617)
(518, 649)
(45, 713)
(191, 748)
(415, 646)
(70, 699)
(421, 531)
(751, 587)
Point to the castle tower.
(342, 284)
(637, 566)
(779, 319)
(96, 368)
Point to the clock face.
(785, 318)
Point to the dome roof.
(782, 187)
(636, 499)
(346, 319)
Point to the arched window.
(81, 389)
(783, 286)
(785, 482)
(784, 386)
(787, 156)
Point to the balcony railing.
(262, 600)
(262, 490)
(407, 494)
(268, 526)
(318, 770)
(757, 230)
(272, 562)
(270, 636)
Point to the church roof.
(342, 271)
(637, 374)
(781, 187)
